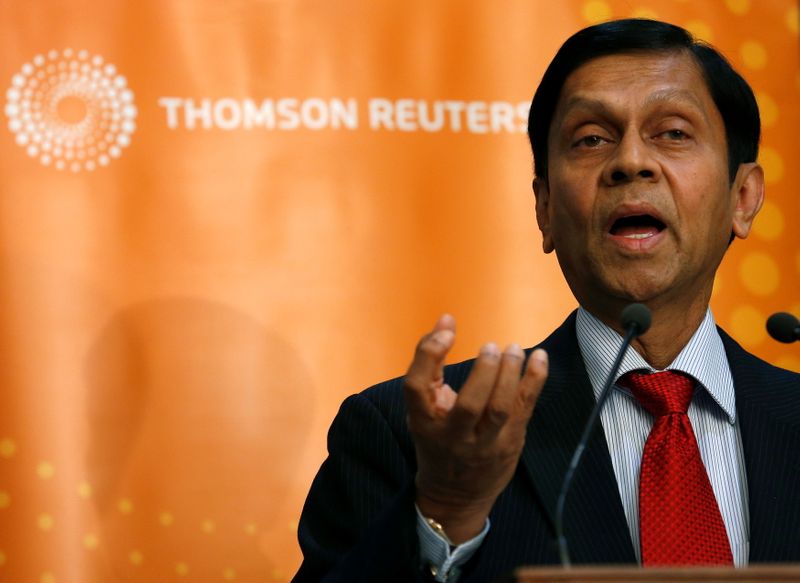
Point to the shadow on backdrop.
(197, 417)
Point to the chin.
(636, 288)
(626, 283)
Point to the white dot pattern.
(106, 113)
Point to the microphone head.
(783, 327)
(636, 316)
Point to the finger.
(503, 400)
(533, 379)
(445, 322)
(475, 393)
(445, 398)
(425, 371)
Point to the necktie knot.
(661, 393)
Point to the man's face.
(638, 205)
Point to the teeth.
(639, 236)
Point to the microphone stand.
(634, 329)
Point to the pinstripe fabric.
(768, 406)
(712, 414)
(359, 523)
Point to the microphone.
(635, 319)
(783, 327)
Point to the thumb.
(425, 373)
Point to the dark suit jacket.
(359, 523)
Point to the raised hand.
(468, 443)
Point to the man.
(645, 144)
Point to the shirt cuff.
(438, 558)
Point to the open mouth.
(637, 227)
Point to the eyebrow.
(658, 97)
(671, 95)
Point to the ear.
(748, 195)
(542, 193)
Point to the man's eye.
(675, 135)
(591, 141)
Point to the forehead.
(635, 80)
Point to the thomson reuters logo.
(71, 110)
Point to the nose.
(632, 160)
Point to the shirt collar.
(703, 357)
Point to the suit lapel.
(594, 522)
(768, 407)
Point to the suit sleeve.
(358, 522)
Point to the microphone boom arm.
(635, 327)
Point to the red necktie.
(679, 520)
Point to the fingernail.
(539, 355)
(444, 319)
(514, 350)
(490, 349)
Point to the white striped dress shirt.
(712, 413)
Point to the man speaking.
(645, 145)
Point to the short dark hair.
(731, 94)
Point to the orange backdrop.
(218, 219)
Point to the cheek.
(707, 200)
(572, 217)
(705, 182)
(698, 198)
(572, 200)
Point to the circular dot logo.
(71, 110)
